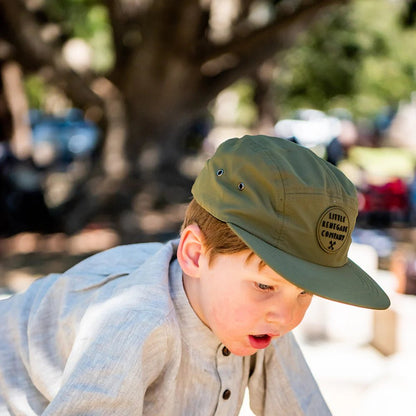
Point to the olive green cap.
(294, 210)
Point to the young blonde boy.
(183, 328)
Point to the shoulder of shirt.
(128, 283)
(119, 259)
(136, 274)
(113, 290)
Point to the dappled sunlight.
(92, 240)
(28, 256)
(86, 241)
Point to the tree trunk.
(5, 114)
(12, 77)
(264, 98)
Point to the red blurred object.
(391, 196)
(380, 205)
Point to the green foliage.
(246, 113)
(359, 57)
(88, 20)
(71, 15)
(384, 162)
(100, 39)
(323, 64)
(35, 91)
(85, 19)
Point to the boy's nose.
(281, 313)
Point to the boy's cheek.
(299, 320)
(244, 315)
(234, 315)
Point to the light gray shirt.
(116, 335)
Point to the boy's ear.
(190, 250)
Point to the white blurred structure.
(311, 128)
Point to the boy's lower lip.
(260, 342)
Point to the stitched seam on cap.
(279, 233)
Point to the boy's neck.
(190, 286)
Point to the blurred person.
(337, 149)
(412, 199)
(22, 203)
(182, 328)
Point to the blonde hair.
(218, 236)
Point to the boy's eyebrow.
(249, 258)
(262, 264)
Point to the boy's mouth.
(260, 341)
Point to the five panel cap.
(294, 210)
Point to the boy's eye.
(264, 287)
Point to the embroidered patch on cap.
(332, 229)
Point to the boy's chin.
(245, 353)
(241, 351)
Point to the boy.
(182, 328)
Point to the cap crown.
(283, 194)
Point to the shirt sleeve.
(83, 352)
(281, 382)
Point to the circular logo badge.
(333, 229)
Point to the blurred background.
(108, 109)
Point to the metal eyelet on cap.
(241, 186)
(220, 172)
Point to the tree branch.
(285, 25)
(20, 29)
(34, 53)
(126, 27)
(117, 27)
(226, 63)
(191, 24)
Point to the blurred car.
(310, 128)
(61, 140)
(25, 194)
(330, 136)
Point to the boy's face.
(245, 305)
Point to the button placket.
(230, 372)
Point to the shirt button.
(225, 351)
(226, 395)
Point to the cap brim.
(347, 284)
